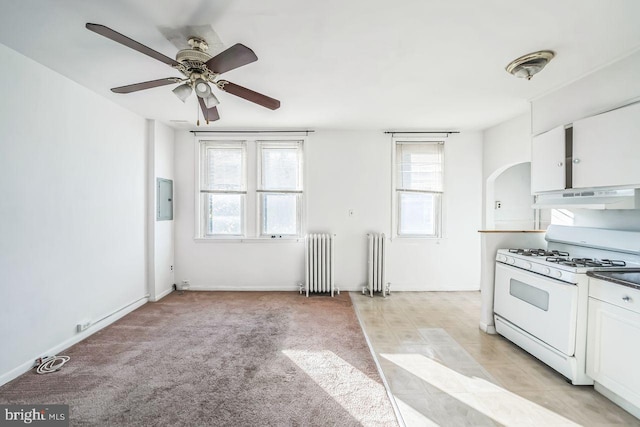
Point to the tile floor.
(442, 370)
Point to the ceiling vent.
(532, 63)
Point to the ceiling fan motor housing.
(192, 55)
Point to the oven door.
(541, 306)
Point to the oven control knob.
(557, 273)
(527, 265)
(511, 260)
(501, 258)
(546, 270)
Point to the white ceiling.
(340, 64)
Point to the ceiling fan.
(199, 69)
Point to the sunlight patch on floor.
(495, 402)
(412, 417)
(347, 385)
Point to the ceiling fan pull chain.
(198, 115)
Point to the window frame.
(251, 219)
(438, 211)
(261, 191)
(203, 179)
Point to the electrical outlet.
(171, 267)
(498, 205)
(184, 285)
(351, 212)
(83, 326)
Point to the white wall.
(72, 213)
(618, 220)
(504, 146)
(344, 170)
(160, 233)
(227, 265)
(438, 265)
(513, 190)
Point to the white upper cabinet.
(548, 161)
(606, 149)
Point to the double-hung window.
(250, 188)
(280, 188)
(223, 187)
(418, 188)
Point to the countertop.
(622, 276)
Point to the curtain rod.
(307, 131)
(392, 132)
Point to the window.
(280, 188)
(250, 188)
(223, 188)
(418, 188)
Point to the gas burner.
(557, 259)
(588, 262)
(612, 263)
(585, 262)
(538, 252)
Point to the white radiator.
(376, 266)
(319, 264)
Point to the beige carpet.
(220, 359)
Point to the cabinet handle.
(576, 161)
(559, 164)
(626, 299)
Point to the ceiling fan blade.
(210, 114)
(234, 57)
(124, 40)
(146, 85)
(249, 95)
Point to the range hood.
(628, 198)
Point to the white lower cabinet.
(613, 343)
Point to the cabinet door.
(613, 349)
(606, 149)
(548, 161)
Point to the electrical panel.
(164, 191)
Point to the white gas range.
(541, 295)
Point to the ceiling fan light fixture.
(532, 63)
(211, 101)
(183, 91)
(203, 90)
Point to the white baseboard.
(413, 287)
(617, 399)
(162, 295)
(106, 321)
(247, 288)
(279, 288)
(259, 288)
(489, 329)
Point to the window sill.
(248, 240)
(418, 238)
